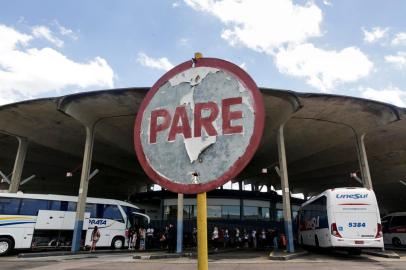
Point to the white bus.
(29, 221)
(341, 218)
(394, 229)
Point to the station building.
(329, 139)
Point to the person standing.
(150, 236)
(254, 238)
(95, 236)
(226, 238)
(132, 238)
(171, 239)
(142, 233)
(215, 238)
(238, 239)
(194, 235)
(263, 238)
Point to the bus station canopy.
(320, 136)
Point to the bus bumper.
(357, 243)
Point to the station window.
(264, 211)
(230, 211)
(32, 206)
(251, 212)
(279, 215)
(171, 211)
(214, 211)
(9, 206)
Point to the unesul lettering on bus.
(351, 196)
(179, 123)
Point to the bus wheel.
(396, 242)
(117, 243)
(6, 245)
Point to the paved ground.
(233, 261)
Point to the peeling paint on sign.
(199, 121)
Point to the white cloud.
(28, 72)
(399, 39)
(44, 32)
(399, 60)
(375, 34)
(327, 2)
(390, 95)
(183, 41)
(64, 31)
(155, 63)
(321, 68)
(263, 25)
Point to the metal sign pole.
(202, 253)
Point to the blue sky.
(51, 48)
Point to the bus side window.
(71, 206)
(32, 206)
(385, 224)
(9, 206)
(112, 212)
(92, 209)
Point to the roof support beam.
(283, 169)
(363, 161)
(84, 184)
(18, 164)
(179, 228)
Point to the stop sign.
(199, 125)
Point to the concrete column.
(18, 165)
(363, 162)
(179, 230)
(287, 215)
(84, 183)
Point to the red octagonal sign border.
(240, 164)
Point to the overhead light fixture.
(69, 174)
(264, 170)
(402, 182)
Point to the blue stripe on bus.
(16, 223)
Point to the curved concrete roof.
(319, 135)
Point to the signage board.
(199, 125)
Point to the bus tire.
(396, 242)
(6, 245)
(316, 241)
(117, 242)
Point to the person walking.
(95, 236)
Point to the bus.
(38, 221)
(394, 229)
(346, 218)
